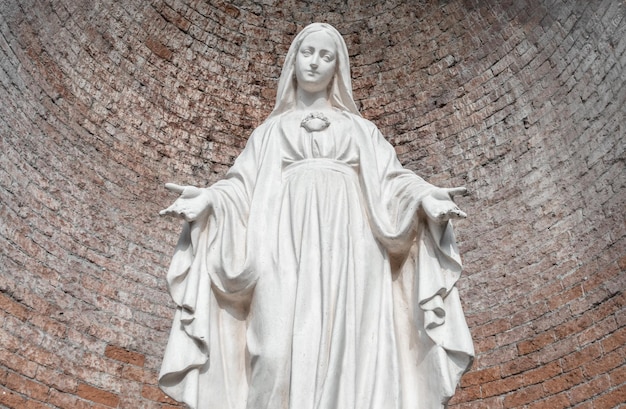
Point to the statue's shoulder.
(368, 129)
(263, 131)
(262, 128)
(366, 124)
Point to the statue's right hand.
(191, 203)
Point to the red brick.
(468, 394)
(491, 328)
(584, 405)
(604, 364)
(97, 395)
(485, 344)
(123, 355)
(502, 386)
(9, 342)
(598, 330)
(518, 365)
(138, 374)
(559, 401)
(11, 399)
(18, 364)
(31, 404)
(26, 386)
(3, 376)
(481, 376)
(564, 382)
(67, 400)
(488, 403)
(14, 308)
(581, 357)
(574, 326)
(536, 343)
(49, 326)
(565, 297)
(542, 373)
(589, 389)
(155, 394)
(497, 356)
(618, 376)
(56, 379)
(523, 396)
(514, 335)
(612, 399)
(557, 350)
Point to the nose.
(315, 61)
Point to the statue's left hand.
(439, 205)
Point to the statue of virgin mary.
(319, 273)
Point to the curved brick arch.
(102, 102)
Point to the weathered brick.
(11, 399)
(612, 399)
(542, 373)
(480, 377)
(97, 395)
(56, 379)
(604, 364)
(589, 389)
(563, 382)
(536, 343)
(155, 394)
(14, 308)
(67, 400)
(523, 396)
(618, 376)
(25, 386)
(559, 401)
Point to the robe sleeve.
(425, 296)
(211, 289)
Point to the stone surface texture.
(102, 102)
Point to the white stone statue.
(318, 274)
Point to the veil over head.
(340, 92)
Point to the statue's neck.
(312, 101)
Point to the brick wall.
(102, 102)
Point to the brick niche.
(102, 102)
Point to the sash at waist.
(319, 164)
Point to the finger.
(166, 212)
(170, 211)
(173, 187)
(461, 214)
(454, 213)
(453, 191)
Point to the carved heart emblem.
(315, 122)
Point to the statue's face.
(316, 62)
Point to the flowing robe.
(313, 281)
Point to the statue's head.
(323, 42)
(316, 62)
